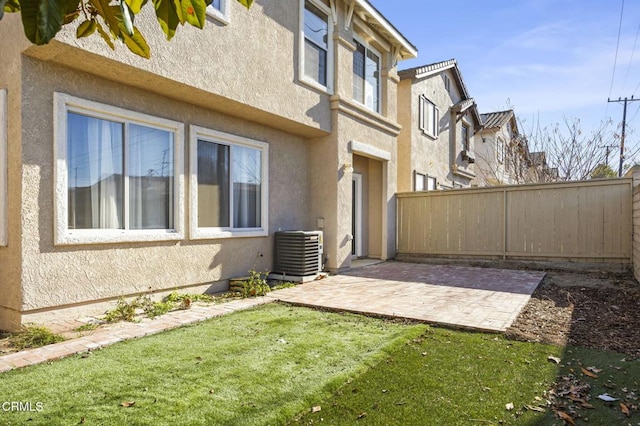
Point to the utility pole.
(624, 125)
(607, 152)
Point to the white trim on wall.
(223, 14)
(195, 232)
(330, 49)
(3, 167)
(63, 104)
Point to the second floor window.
(429, 116)
(500, 150)
(316, 47)
(464, 133)
(366, 76)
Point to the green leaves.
(136, 43)
(167, 17)
(191, 11)
(8, 6)
(246, 3)
(42, 19)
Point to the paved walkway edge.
(124, 331)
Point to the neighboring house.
(126, 175)
(502, 153)
(439, 120)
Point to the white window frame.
(500, 147)
(223, 14)
(3, 167)
(432, 183)
(63, 104)
(375, 51)
(197, 233)
(428, 117)
(330, 54)
(419, 182)
(466, 144)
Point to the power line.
(615, 60)
(635, 43)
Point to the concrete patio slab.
(466, 297)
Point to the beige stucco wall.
(62, 275)
(235, 68)
(220, 79)
(489, 170)
(10, 76)
(418, 151)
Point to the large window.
(366, 76)
(228, 185)
(429, 116)
(119, 172)
(219, 9)
(3, 167)
(316, 52)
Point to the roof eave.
(406, 49)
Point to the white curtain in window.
(150, 171)
(94, 150)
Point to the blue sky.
(545, 58)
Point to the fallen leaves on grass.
(624, 409)
(588, 373)
(567, 418)
(316, 409)
(554, 359)
(127, 403)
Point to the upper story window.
(500, 150)
(3, 167)
(366, 76)
(465, 134)
(447, 82)
(316, 53)
(117, 174)
(219, 9)
(429, 117)
(228, 185)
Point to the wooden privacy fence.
(588, 221)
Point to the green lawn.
(276, 364)
(261, 366)
(449, 377)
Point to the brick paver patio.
(466, 297)
(475, 298)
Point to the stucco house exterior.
(124, 175)
(502, 154)
(439, 120)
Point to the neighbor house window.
(429, 116)
(366, 76)
(431, 183)
(3, 167)
(420, 182)
(316, 51)
(228, 185)
(117, 174)
(219, 9)
(447, 82)
(464, 136)
(500, 151)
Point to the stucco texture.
(60, 275)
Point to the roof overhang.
(369, 14)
